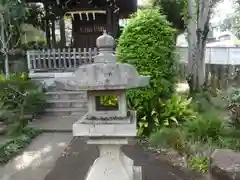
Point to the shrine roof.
(125, 7)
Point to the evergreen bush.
(147, 42)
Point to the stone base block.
(109, 130)
(137, 173)
(113, 163)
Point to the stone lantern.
(108, 125)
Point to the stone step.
(66, 92)
(66, 110)
(65, 114)
(67, 104)
(66, 101)
(64, 96)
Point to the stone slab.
(38, 159)
(80, 128)
(137, 173)
(98, 130)
(108, 141)
(225, 165)
(54, 123)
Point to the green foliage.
(147, 42)
(19, 96)
(169, 113)
(233, 99)
(199, 163)
(170, 138)
(176, 110)
(197, 138)
(34, 45)
(14, 146)
(234, 96)
(174, 11)
(108, 100)
(205, 127)
(35, 15)
(13, 15)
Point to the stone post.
(107, 126)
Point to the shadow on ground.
(78, 157)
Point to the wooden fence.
(218, 76)
(215, 55)
(47, 60)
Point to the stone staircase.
(64, 107)
(66, 103)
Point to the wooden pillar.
(109, 21)
(47, 25)
(53, 28)
(62, 32)
(115, 23)
(74, 34)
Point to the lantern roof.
(105, 73)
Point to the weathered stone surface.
(225, 165)
(107, 78)
(104, 73)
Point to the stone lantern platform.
(108, 122)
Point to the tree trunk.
(46, 25)
(53, 34)
(6, 65)
(62, 31)
(4, 46)
(197, 35)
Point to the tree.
(12, 14)
(197, 20)
(232, 22)
(174, 11)
(35, 15)
(195, 15)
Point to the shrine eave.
(126, 7)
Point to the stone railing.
(67, 59)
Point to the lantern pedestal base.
(112, 164)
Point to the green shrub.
(169, 113)
(34, 45)
(147, 42)
(233, 98)
(170, 138)
(199, 163)
(19, 96)
(14, 146)
(206, 127)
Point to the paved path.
(54, 123)
(49, 158)
(78, 157)
(38, 158)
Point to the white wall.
(215, 55)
